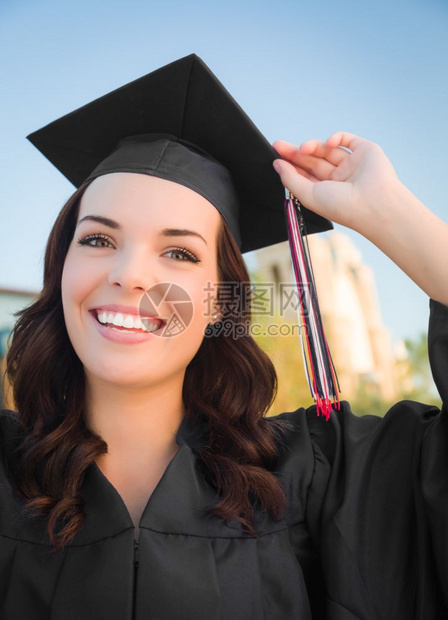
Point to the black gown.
(365, 535)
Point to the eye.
(95, 241)
(184, 254)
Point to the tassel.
(319, 368)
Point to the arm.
(359, 188)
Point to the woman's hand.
(360, 189)
(349, 187)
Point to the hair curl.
(232, 382)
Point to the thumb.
(297, 184)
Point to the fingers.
(286, 149)
(310, 165)
(321, 169)
(300, 184)
(316, 160)
(306, 174)
(310, 149)
(319, 148)
(302, 171)
(345, 139)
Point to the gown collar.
(175, 501)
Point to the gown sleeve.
(377, 504)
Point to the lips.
(126, 319)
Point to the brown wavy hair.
(231, 381)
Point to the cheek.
(204, 299)
(78, 278)
(202, 294)
(68, 285)
(76, 283)
(68, 295)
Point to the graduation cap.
(181, 124)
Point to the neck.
(135, 420)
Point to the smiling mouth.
(127, 322)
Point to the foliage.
(415, 373)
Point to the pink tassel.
(317, 360)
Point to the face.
(133, 232)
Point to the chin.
(122, 375)
(111, 372)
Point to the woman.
(125, 433)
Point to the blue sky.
(300, 69)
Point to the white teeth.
(118, 320)
(150, 327)
(127, 321)
(137, 323)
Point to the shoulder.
(313, 436)
(316, 455)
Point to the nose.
(132, 271)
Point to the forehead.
(141, 197)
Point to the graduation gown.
(365, 535)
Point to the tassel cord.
(318, 362)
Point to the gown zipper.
(136, 558)
(136, 543)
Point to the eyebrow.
(166, 232)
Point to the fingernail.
(276, 165)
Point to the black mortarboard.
(181, 124)
(185, 101)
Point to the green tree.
(415, 371)
(283, 347)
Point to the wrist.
(391, 213)
(414, 238)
